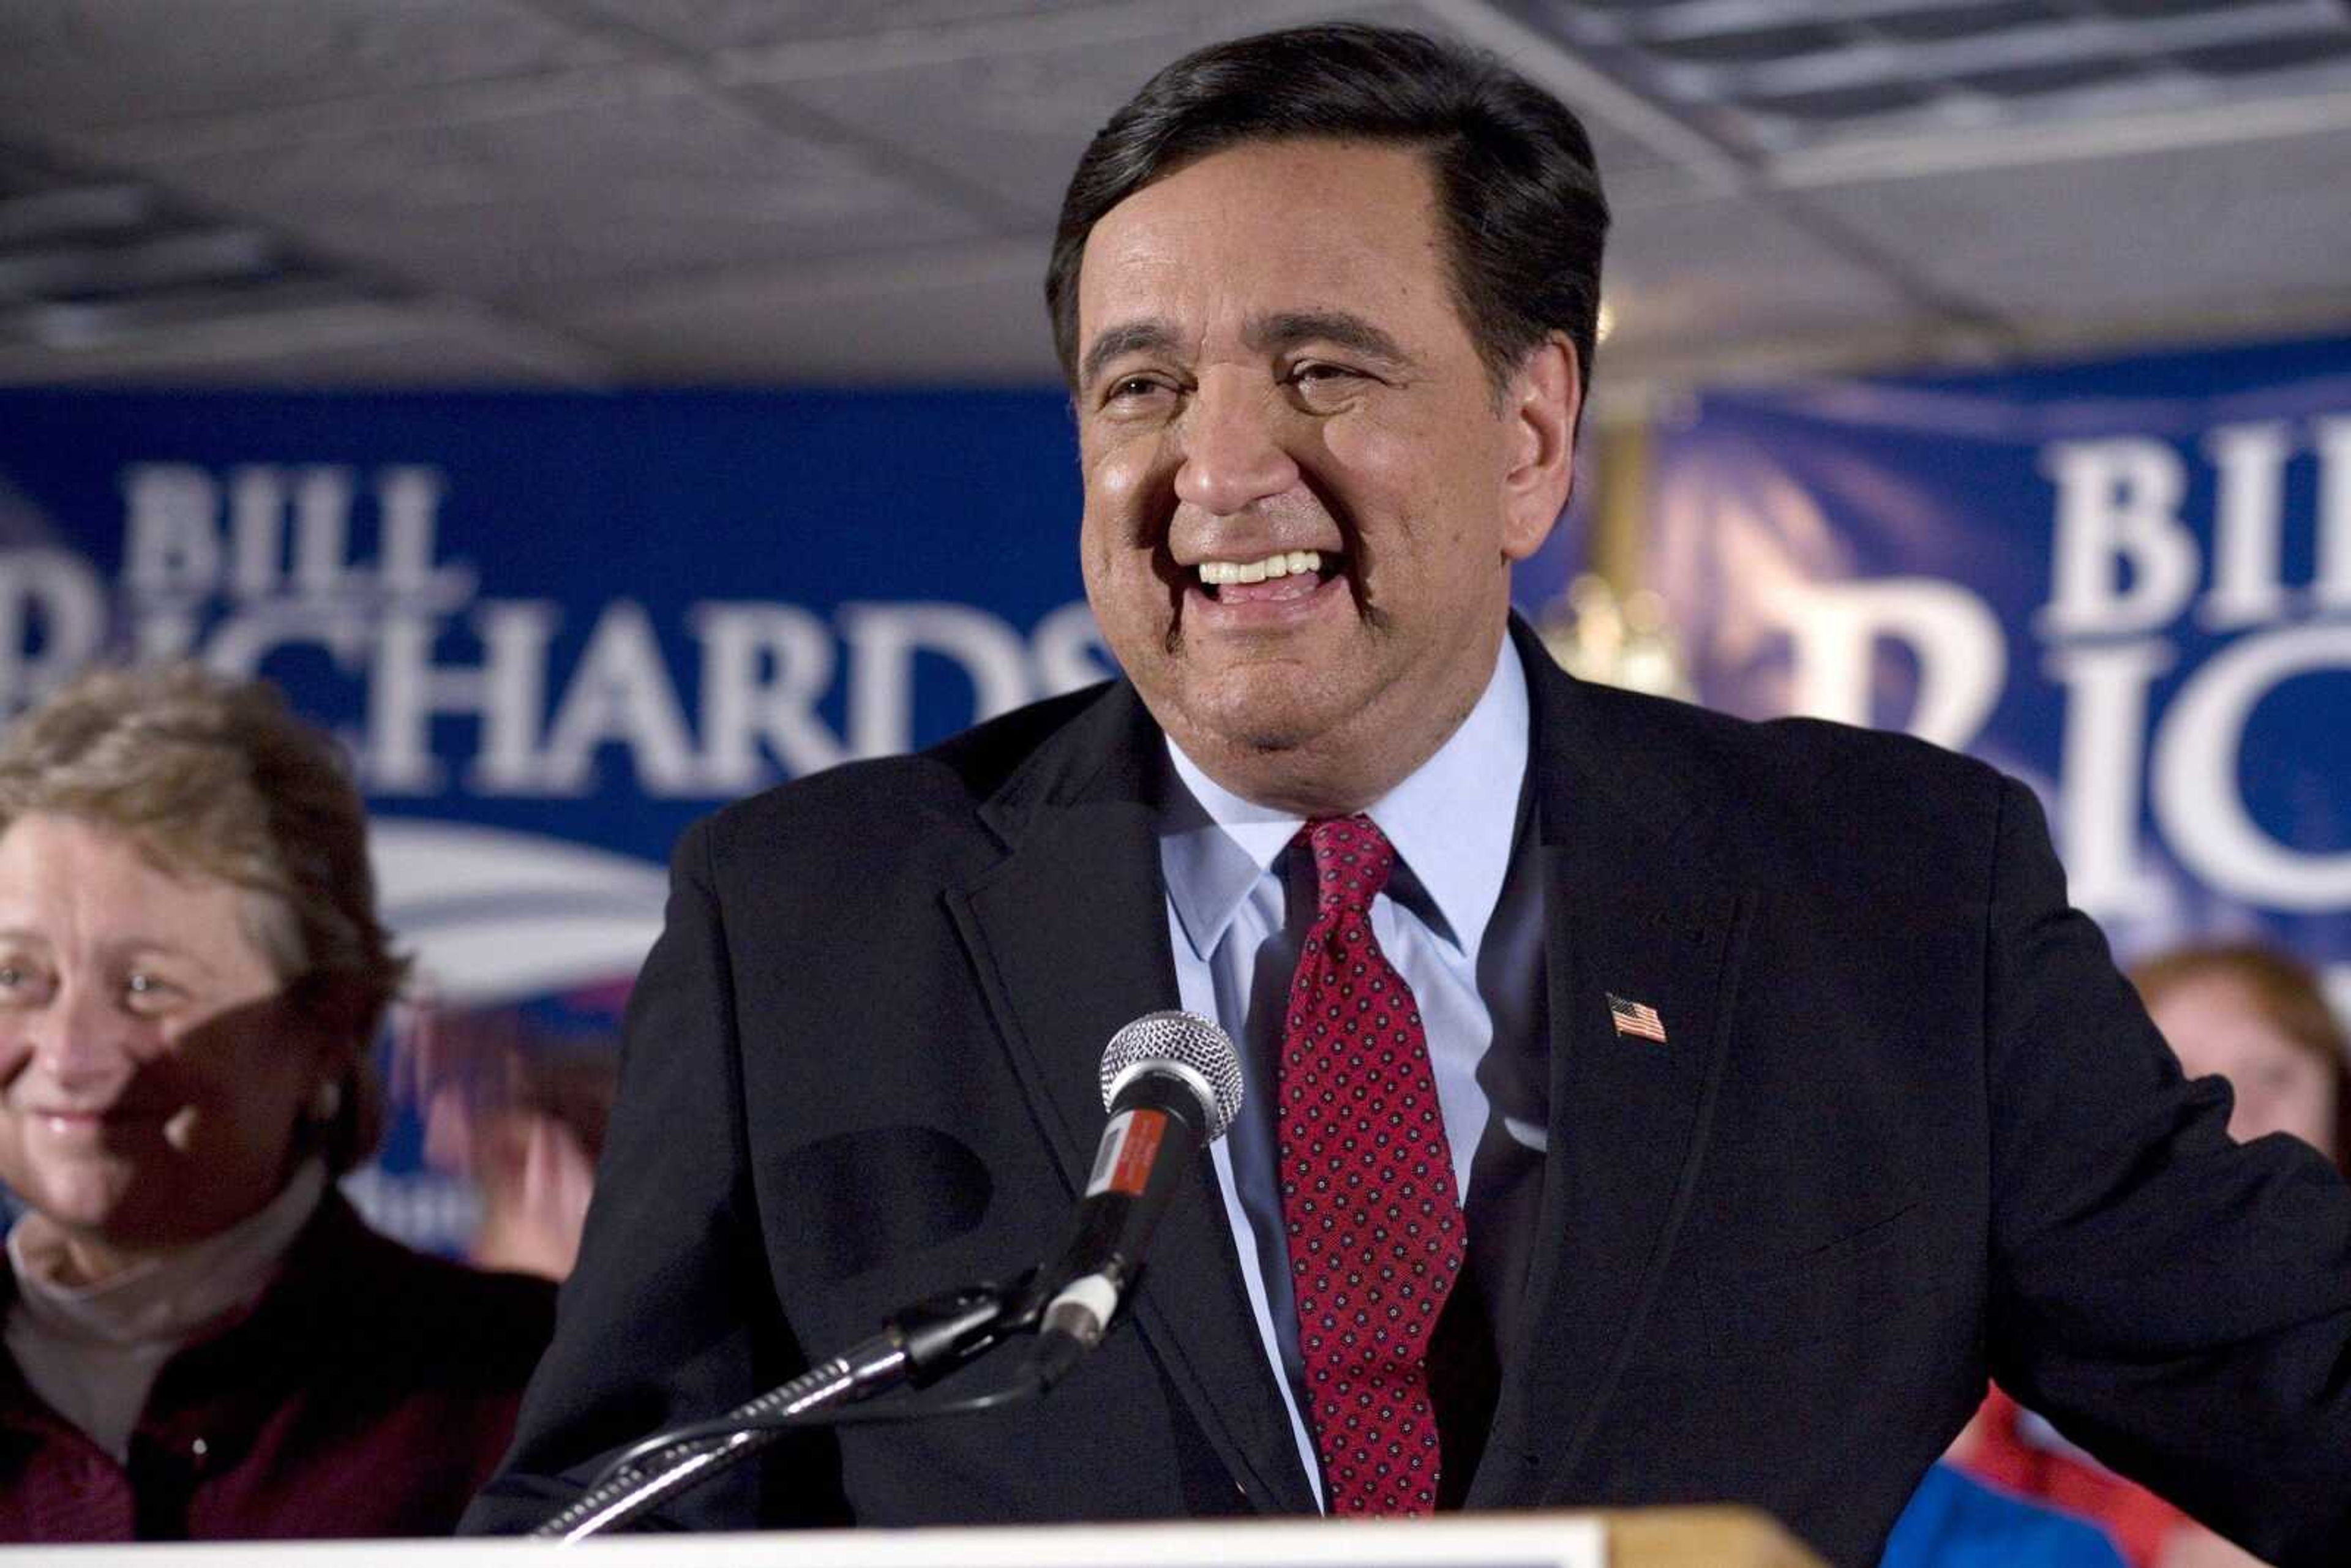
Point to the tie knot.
(1352, 861)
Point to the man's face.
(1275, 386)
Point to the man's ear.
(1544, 398)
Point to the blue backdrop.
(2128, 579)
(553, 629)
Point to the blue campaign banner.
(2128, 580)
(552, 630)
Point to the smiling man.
(1253, 388)
(1642, 1106)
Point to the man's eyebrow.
(1341, 328)
(1152, 336)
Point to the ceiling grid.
(593, 191)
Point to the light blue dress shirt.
(1235, 935)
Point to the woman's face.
(150, 1075)
(2216, 1024)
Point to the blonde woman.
(202, 1339)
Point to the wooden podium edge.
(1710, 1537)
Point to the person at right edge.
(2260, 1018)
(1643, 1106)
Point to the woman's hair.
(217, 778)
(2285, 990)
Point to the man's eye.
(1131, 388)
(1319, 377)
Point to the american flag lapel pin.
(1635, 1019)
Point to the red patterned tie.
(1367, 1196)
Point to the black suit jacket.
(1908, 1126)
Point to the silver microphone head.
(1183, 1044)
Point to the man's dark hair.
(1515, 179)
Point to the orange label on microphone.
(1129, 1145)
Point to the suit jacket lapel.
(1629, 913)
(1069, 936)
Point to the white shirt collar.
(1451, 821)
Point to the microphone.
(1172, 1083)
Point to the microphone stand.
(1162, 1068)
(916, 1346)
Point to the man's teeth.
(1280, 564)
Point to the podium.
(1700, 1538)
(1644, 1538)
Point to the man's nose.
(1233, 450)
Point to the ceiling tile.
(1014, 121)
(2192, 229)
(1011, 114)
(85, 63)
(1772, 76)
(973, 317)
(573, 194)
(1715, 272)
(359, 345)
(272, 128)
(707, 25)
(1011, 125)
